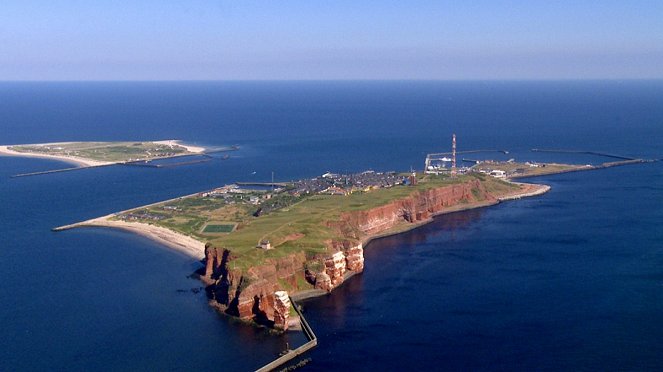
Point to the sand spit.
(185, 244)
(84, 162)
(4, 150)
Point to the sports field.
(214, 228)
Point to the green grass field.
(302, 226)
(106, 151)
(214, 228)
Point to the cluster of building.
(164, 151)
(234, 194)
(268, 200)
(142, 215)
(344, 184)
(491, 168)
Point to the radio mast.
(453, 155)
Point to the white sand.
(189, 148)
(196, 248)
(84, 162)
(4, 150)
(182, 243)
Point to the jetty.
(58, 170)
(151, 163)
(292, 354)
(597, 153)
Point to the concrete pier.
(291, 354)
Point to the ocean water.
(569, 280)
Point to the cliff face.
(250, 295)
(419, 207)
(258, 293)
(281, 310)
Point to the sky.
(330, 40)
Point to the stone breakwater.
(259, 294)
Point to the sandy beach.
(182, 243)
(189, 148)
(196, 248)
(84, 162)
(4, 150)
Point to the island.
(95, 154)
(265, 245)
(262, 244)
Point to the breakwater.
(291, 354)
(587, 168)
(597, 153)
(151, 163)
(58, 170)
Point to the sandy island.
(4, 150)
(84, 162)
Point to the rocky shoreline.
(262, 293)
(252, 295)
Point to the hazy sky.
(308, 39)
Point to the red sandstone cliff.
(418, 207)
(253, 294)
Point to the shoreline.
(583, 168)
(82, 163)
(533, 189)
(179, 242)
(196, 249)
(89, 163)
(189, 148)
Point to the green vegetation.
(106, 151)
(295, 224)
(211, 229)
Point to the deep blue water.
(569, 280)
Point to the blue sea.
(571, 280)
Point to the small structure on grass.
(265, 244)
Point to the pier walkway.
(291, 354)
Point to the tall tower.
(453, 155)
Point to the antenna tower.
(453, 155)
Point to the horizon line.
(328, 80)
